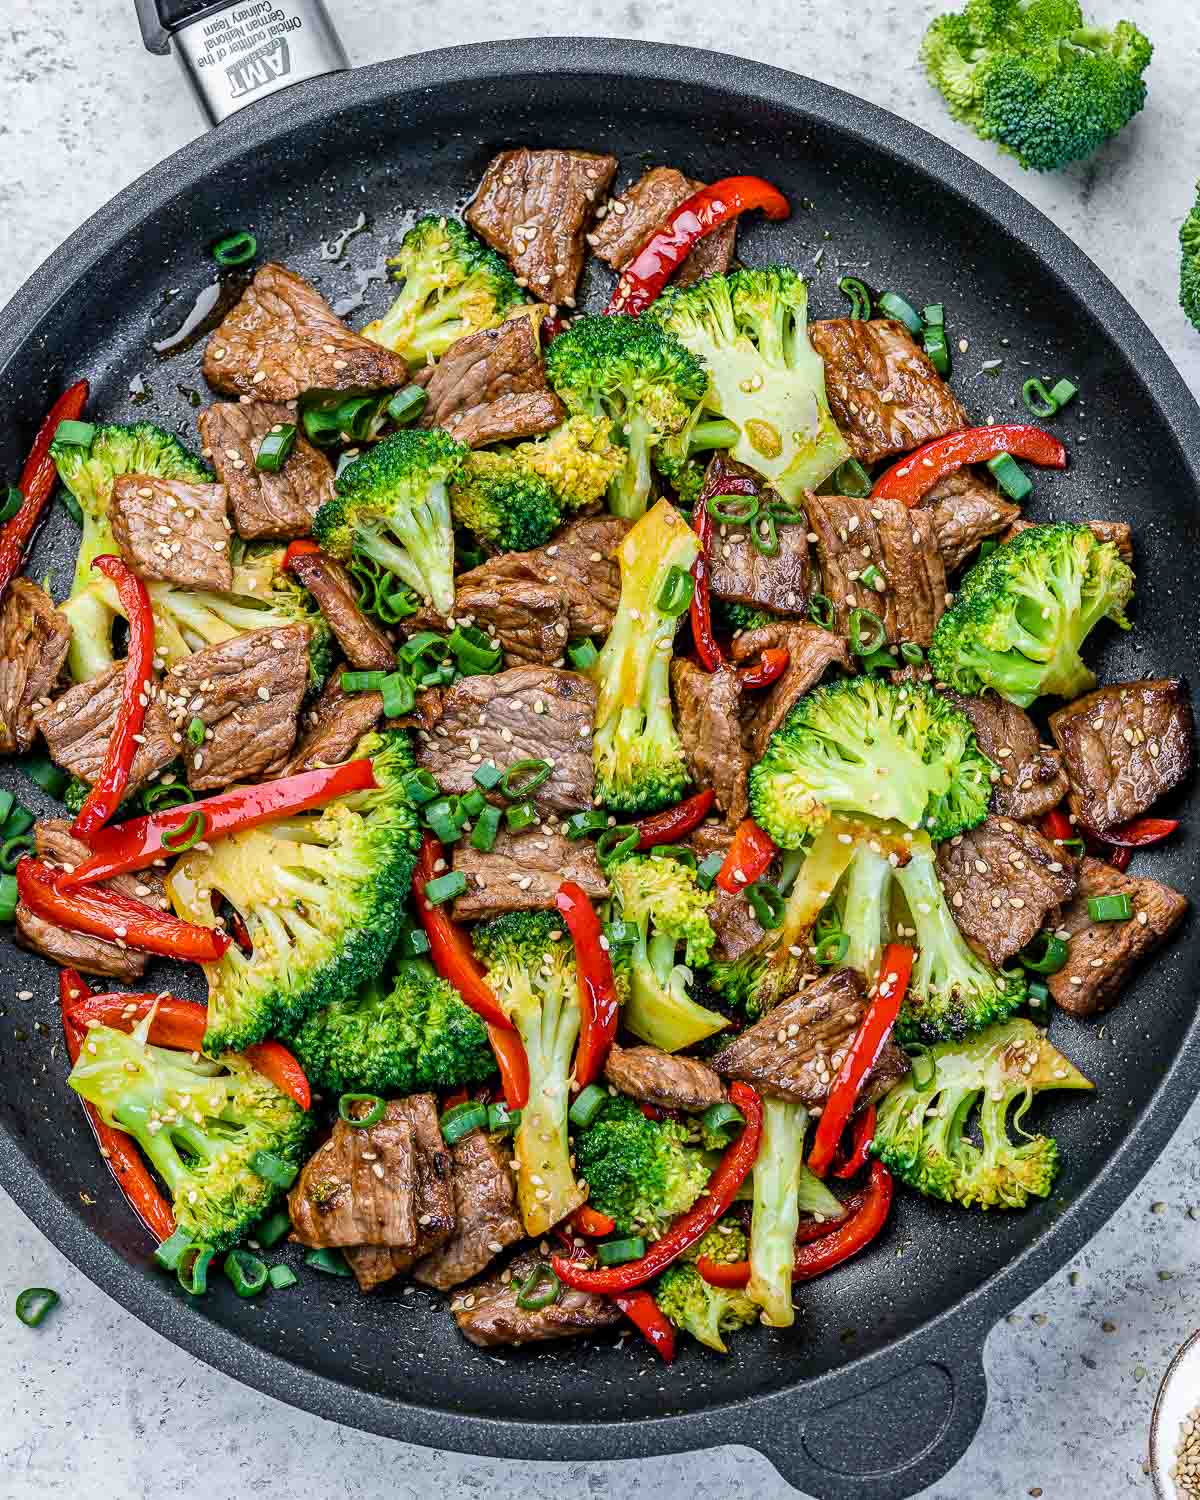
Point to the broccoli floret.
(579, 460)
(734, 617)
(921, 1133)
(1033, 77)
(862, 745)
(750, 328)
(505, 502)
(199, 1122)
(663, 911)
(321, 894)
(631, 371)
(1189, 268)
(1021, 615)
(393, 505)
(453, 284)
(641, 1173)
(676, 457)
(693, 1306)
(530, 965)
(409, 1036)
(639, 757)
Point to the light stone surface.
(94, 1404)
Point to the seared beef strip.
(487, 1313)
(656, 1077)
(283, 339)
(485, 1213)
(79, 723)
(854, 535)
(1101, 954)
(641, 210)
(424, 714)
(364, 643)
(248, 692)
(264, 504)
(884, 394)
(333, 726)
(706, 715)
(359, 1188)
(738, 571)
(173, 531)
(34, 639)
(1120, 533)
(1004, 882)
(1123, 747)
(811, 652)
(966, 509)
(534, 206)
(1031, 778)
(525, 712)
(731, 915)
(490, 387)
(523, 871)
(795, 1050)
(527, 619)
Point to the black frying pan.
(880, 1386)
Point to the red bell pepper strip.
(303, 547)
(653, 1324)
(38, 478)
(730, 1173)
(136, 844)
(591, 1222)
(651, 268)
(598, 1000)
(751, 851)
(860, 1145)
(122, 1157)
(736, 1273)
(113, 779)
(1118, 852)
(105, 913)
(1141, 832)
(675, 823)
(770, 667)
(1057, 826)
(915, 475)
(883, 1006)
(710, 654)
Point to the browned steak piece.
(248, 692)
(525, 712)
(1119, 533)
(966, 509)
(528, 619)
(424, 714)
(33, 646)
(264, 504)
(853, 536)
(174, 531)
(485, 1214)
(333, 726)
(637, 213)
(738, 571)
(1004, 882)
(1123, 747)
(523, 871)
(359, 1188)
(884, 394)
(795, 1051)
(491, 386)
(1031, 778)
(487, 1313)
(731, 915)
(534, 207)
(706, 715)
(78, 724)
(811, 652)
(1101, 955)
(656, 1077)
(362, 641)
(283, 339)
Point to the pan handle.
(889, 1439)
(235, 52)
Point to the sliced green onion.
(398, 695)
(764, 535)
(70, 434)
(873, 578)
(14, 499)
(171, 1251)
(196, 730)
(445, 818)
(407, 404)
(1114, 908)
(487, 826)
(34, 1303)
(879, 661)
(708, 869)
(281, 1277)
(1037, 398)
(42, 771)
(580, 824)
(14, 850)
(620, 1252)
(860, 297)
(520, 815)
(768, 904)
(486, 776)
(987, 547)
(539, 1289)
(582, 654)
(235, 249)
(445, 887)
(9, 897)
(722, 1119)
(924, 1069)
(187, 834)
(733, 510)
(832, 948)
(852, 479)
(375, 1110)
(864, 646)
(20, 820)
(675, 596)
(462, 1119)
(1038, 993)
(476, 653)
(362, 682)
(786, 515)
(680, 853)
(273, 1169)
(472, 803)
(420, 787)
(615, 843)
(893, 305)
(272, 1230)
(275, 447)
(912, 653)
(523, 777)
(937, 348)
(934, 315)
(1063, 391)
(822, 611)
(587, 1105)
(421, 644)
(247, 1273)
(192, 1270)
(69, 504)
(332, 1262)
(7, 801)
(1045, 953)
(412, 943)
(1010, 476)
(500, 1117)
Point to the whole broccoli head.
(579, 460)
(199, 1123)
(641, 1173)
(321, 894)
(1021, 615)
(692, 1305)
(921, 1133)
(1189, 267)
(393, 505)
(505, 502)
(453, 284)
(1033, 77)
(750, 328)
(638, 376)
(866, 746)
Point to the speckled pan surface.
(907, 1321)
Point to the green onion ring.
(733, 510)
(539, 1289)
(373, 1115)
(187, 834)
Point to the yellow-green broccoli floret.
(505, 501)
(579, 460)
(641, 1173)
(693, 1306)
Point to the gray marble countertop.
(95, 1404)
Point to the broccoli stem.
(426, 533)
(865, 911)
(718, 433)
(546, 1188)
(776, 1214)
(91, 622)
(631, 487)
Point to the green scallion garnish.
(487, 826)
(445, 887)
(832, 948)
(616, 843)
(374, 1112)
(186, 834)
(620, 1252)
(767, 903)
(192, 1270)
(196, 730)
(893, 305)
(1010, 476)
(708, 869)
(42, 771)
(865, 620)
(407, 404)
(520, 815)
(331, 1262)
(247, 1273)
(171, 1251)
(523, 777)
(539, 1289)
(281, 1277)
(822, 611)
(13, 501)
(462, 1119)
(487, 776)
(580, 824)
(1046, 953)
(675, 596)
(399, 696)
(273, 1229)
(9, 897)
(860, 297)
(587, 1105)
(275, 447)
(273, 1169)
(70, 434)
(1113, 908)
(733, 510)
(582, 654)
(235, 249)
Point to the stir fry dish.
(589, 756)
